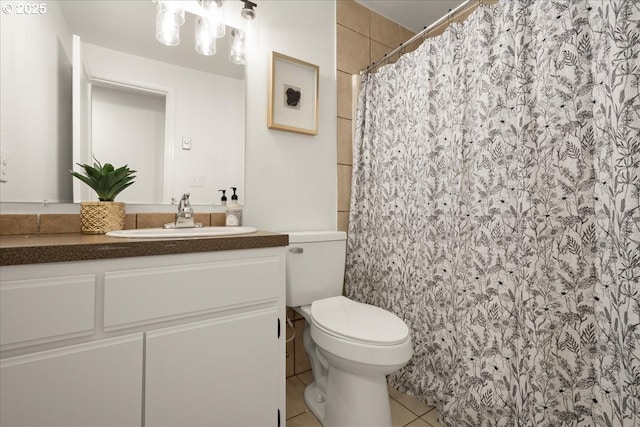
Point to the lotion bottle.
(234, 211)
(223, 199)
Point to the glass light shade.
(214, 12)
(221, 29)
(251, 32)
(169, 18)
(238, 48)
(205, 36)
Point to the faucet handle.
(184, 202)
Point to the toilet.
(351, 346)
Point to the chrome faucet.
(184, 218)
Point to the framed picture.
(293, 95)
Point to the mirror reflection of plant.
(106, 180)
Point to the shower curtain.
(495, 209)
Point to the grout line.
(431, 410)
(301, 414)
(301, 397)
(406, 407)
(405, 425)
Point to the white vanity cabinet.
(169, 340)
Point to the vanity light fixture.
(250, 23)
(210, 25)
(240, 37)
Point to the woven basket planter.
(100, 217)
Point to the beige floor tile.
(306, 377)
(295, 397)
(431, 417)
(400, 416)
(412, 403)
(418, 423)
(306, 419)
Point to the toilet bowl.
(351, 346)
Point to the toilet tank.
(315, 266)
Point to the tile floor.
(406, 411)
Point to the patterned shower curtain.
(495, 208)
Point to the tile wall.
(363, 36)
(12, 224)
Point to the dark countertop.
(45, 248)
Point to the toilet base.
(354, 399)
(315, 400)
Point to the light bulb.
(169, 18)
(238, 48)
(221, 29)
(214, 12)
(205, 36)
(251, 33)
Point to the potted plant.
(107, 182)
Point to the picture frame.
(293, 95)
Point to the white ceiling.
(412, 14)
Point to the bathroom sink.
(148, 233)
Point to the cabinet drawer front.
(134, 297)
(46, 309)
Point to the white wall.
(291, 179)
(209, 109)
(35, 106)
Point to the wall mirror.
(171, 113)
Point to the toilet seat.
(339, 326)
(361, 323)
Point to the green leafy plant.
(106, 180)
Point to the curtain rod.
(425, 31)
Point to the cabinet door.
(93, 384)
(220, 372)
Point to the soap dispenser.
(223, 200)
(234, 211)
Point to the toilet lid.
(355, 321)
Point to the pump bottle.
(234, 211)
